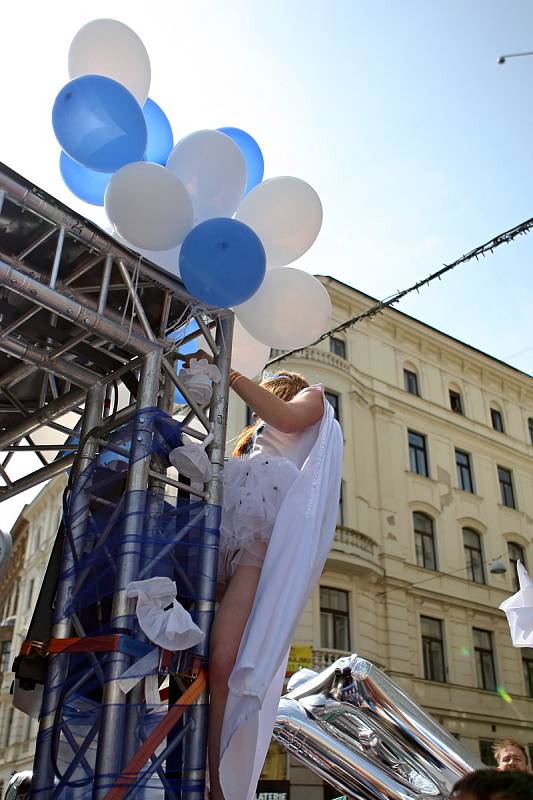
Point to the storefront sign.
(273, 790)
(301, 655)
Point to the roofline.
(429, 327)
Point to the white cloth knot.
(162, 618)
(197, 379)
(191, 460)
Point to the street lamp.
(503, 59)
(497, 566)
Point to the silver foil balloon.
(359, 731)
(19, 786)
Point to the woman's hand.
(199, 354)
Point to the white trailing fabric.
(519, 610)
(296, 554)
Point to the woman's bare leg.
(226, 635)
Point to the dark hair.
(491, 784)
(284, 385)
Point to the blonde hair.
(284, 385)
(504, 744)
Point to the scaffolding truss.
(90, 333)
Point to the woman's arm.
(293, 416)
(288, 417)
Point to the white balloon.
(168, 260)
(286, 214)
(290, 309)
(149, 206)
(248, 356)
(213, 170)
(108, 47)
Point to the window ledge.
(510, 508)
(473, 495)
(418, 475)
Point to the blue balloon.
(99, 123)
(160, 138)
(222, 262)
(252, 155)
(85, 183)
(184, 349)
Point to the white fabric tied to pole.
(519, 610)
(162, 618)
(197, 379)
(300, 542)
(192, 460)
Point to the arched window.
(473, 555)
(424, 540)
(530, 429)
(516, 554)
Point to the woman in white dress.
(266, 463)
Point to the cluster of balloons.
(199, 208)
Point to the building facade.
(437, 485)
(33, 535)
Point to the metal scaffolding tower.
(89, 337)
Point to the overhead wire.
(502, 238)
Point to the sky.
(418, 143)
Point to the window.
(527, 662)
(497, 420)
(334, 400)
(473, 555)
(486, 673)
(410, 381)
(9, 726)
(456, 402)
(486, 753)
(16, 596)
(516, 553)
(424, 541)
(29, 595)
(340, 512)
(433, 649)
(530, 429)
(418, 460)
(334, 619)
(337, 346)
(505, 478)
(5, 657)
(464, 471)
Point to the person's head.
(491, 784)
(284, 385)
(510, 755)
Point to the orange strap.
(131, 771)
(74, 644)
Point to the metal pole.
(195, 745)
(43, 776)
(70, 309)
(110, 752)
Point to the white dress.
(255, 486)
(297, 550)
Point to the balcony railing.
(323, 658)
(351, 541)
(319, 356)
